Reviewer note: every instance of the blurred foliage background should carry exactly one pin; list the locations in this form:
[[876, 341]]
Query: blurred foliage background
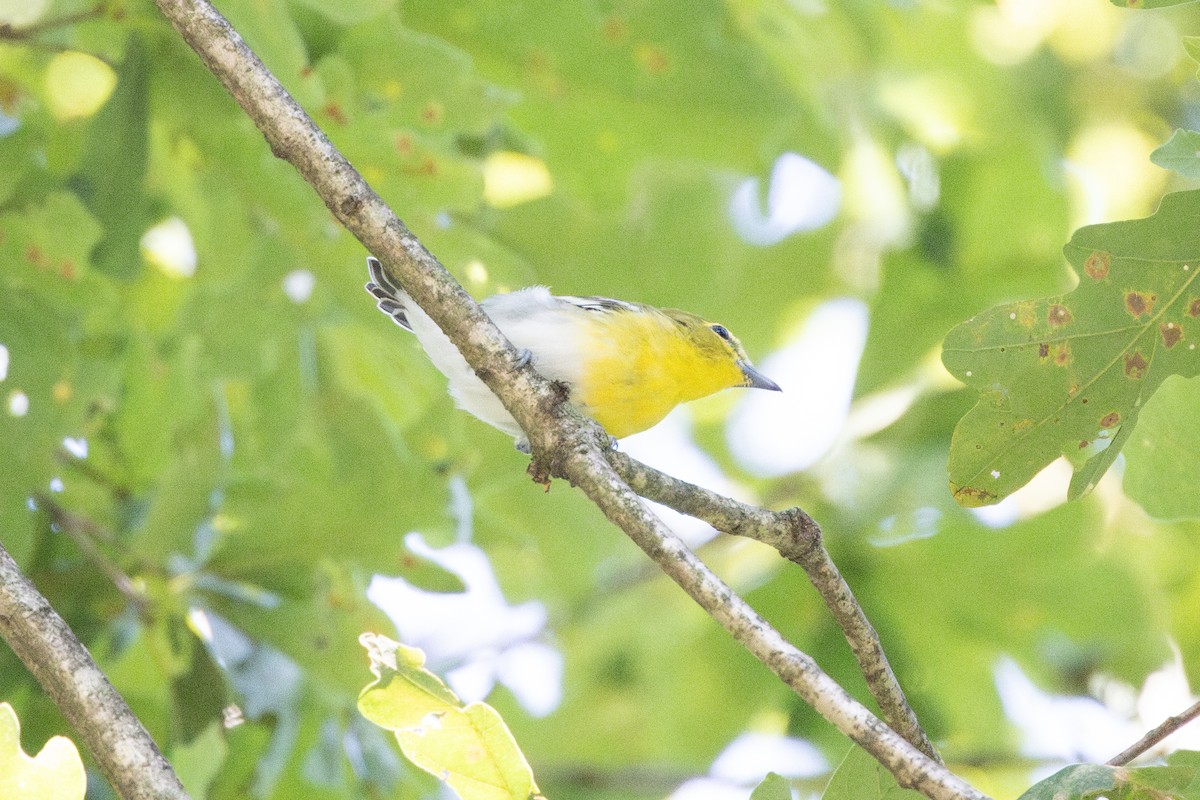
[[211, 440]]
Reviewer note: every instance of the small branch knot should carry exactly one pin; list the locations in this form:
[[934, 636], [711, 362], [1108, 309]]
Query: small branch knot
[[803, 534], [351, 205]]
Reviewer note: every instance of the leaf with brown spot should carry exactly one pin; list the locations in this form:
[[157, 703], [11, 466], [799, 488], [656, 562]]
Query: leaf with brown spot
[[1148, 3], [1097, 265], [1135, 366], [1171, 334], [1139, 303], [1026, 315], [1109, 342], [1059, 315], [1092, 781], [653, 58]]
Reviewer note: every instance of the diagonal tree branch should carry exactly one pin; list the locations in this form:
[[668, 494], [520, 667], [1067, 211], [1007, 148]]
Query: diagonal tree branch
[[564, 444], [62, 665], [797, 537]]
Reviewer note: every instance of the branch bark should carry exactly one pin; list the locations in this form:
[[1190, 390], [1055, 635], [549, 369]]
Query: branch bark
[[564, 444], [62, 665], [1153, 737], [797, 537]]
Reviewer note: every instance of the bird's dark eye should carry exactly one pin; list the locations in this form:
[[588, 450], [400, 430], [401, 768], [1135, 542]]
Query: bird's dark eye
[[723, 332]]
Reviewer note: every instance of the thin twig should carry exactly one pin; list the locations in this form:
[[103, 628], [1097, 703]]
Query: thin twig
[[90, 471], [585, 468], [798, 538], [1169, 726], [124, 750], [24, 32], [564, 444]]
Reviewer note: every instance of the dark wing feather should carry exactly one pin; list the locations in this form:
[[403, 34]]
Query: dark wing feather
[[390, 296], [601, 304]]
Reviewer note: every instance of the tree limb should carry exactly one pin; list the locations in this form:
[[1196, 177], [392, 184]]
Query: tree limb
[[64, 668], [797, 537], [564, 444]]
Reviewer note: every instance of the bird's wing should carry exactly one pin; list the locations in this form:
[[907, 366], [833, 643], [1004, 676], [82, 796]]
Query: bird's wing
[[550, 328], [535, 301], [600, 303]]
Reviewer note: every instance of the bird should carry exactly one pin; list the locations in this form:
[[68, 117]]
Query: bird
[[625, 365]]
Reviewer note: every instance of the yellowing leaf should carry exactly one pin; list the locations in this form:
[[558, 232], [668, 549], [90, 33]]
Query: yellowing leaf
[[469, 747], [77, 84], [56, 773], [1181, 153], [510, 179], [473, 751], [405, 693], [861, 777], [20, 13], [1068, 375]]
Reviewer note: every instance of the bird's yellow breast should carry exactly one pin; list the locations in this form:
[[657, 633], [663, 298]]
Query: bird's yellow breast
[[637, 367]]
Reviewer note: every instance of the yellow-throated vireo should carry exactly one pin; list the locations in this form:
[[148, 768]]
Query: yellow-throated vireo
[[626, 365]]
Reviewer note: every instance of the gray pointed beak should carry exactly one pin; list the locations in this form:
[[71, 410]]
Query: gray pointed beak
[[755, 379]]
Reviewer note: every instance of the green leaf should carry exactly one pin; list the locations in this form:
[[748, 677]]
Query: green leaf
[[269, 28], [428, 97], [349, 12], [692, 78], [1191, 45], [198, 689], [319, 493], [1180, 154], [1149, 3], [55, 773], [199, 761], [53, 236], [113, 169], [773, 787], [1094, 781], [313, 624], [405, 691], [861, 777], [1040, 593], [469, 747], [1068, 375], [1189, 759], [1163, 459], [282, 750], [57, 326]]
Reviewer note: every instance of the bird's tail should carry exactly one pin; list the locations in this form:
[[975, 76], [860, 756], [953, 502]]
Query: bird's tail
[[390, 296]]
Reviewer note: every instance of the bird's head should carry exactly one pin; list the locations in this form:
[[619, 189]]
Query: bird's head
[[720, 349]]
